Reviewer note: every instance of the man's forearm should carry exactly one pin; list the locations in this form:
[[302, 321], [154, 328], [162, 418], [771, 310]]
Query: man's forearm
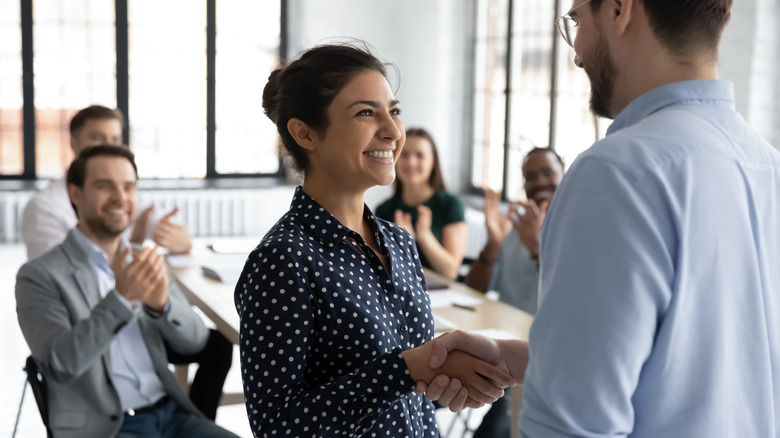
[[482, 268]]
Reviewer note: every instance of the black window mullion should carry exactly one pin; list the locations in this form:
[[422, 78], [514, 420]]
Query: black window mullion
[[508, 108], [554, 79], [28, 90], [211, 61], [122, 67]]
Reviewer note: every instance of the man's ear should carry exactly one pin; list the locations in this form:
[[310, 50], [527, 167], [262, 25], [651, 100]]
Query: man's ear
[[75, 194], [621, 13], [302, 134]]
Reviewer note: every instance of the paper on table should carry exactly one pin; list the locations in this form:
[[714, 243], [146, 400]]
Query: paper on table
[[182, 261], [441, 324], [223, 267], [495, 333], [448, 297]]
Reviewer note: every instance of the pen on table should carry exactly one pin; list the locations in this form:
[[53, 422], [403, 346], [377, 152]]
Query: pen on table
[[464, 307]]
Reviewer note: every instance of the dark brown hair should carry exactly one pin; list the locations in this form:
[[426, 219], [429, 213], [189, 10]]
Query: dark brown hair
[[305, 88], [685, 25], [94, 112], [78, 168], [435, 180], [77, 172], [546, 150]]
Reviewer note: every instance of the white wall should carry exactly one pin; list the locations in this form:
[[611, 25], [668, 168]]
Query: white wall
[[749, 57], [430, 41]]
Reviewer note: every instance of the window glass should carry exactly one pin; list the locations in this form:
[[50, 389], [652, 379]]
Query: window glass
[[529, 99], [490, 72], [247, 51], [167, 82], [75, 66], [11, 149]]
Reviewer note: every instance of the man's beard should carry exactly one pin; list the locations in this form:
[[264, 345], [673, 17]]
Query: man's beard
[[602, 73], [101, 229]]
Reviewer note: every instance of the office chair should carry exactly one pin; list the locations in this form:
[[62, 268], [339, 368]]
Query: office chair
[[38, 385]]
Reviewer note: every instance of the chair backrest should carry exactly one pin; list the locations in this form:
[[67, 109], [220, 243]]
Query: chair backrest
[[38, 385]]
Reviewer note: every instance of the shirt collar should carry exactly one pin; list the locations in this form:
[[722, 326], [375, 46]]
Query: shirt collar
[[95, 254], [319, 220], [700, 92]]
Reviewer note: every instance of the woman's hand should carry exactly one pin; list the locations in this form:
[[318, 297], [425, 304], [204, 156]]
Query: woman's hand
[[507, 354], [404, 220], [422, 228], [482, 381]]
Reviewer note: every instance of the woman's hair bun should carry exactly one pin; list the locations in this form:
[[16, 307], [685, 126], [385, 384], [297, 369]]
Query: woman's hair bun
[[271, 93]]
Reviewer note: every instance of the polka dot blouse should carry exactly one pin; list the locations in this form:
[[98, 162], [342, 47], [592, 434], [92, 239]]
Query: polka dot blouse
[[323, 324]]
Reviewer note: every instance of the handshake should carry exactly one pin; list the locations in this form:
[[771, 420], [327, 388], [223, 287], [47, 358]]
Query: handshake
[[465, 370]]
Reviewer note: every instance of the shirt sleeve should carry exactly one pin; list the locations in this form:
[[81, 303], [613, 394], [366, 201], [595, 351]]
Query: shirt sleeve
[[605, 283], [277, 332], [453, 210], [43, 226]]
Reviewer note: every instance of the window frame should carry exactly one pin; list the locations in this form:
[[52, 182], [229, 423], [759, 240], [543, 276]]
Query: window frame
[[122, 87], [555, 67]]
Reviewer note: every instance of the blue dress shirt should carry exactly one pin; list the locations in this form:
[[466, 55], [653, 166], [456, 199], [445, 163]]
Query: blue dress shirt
[[660, 279], [132, 369], [323, 324]]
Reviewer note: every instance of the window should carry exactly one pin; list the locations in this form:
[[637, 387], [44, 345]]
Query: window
[[75, 65], [247, 51], [167, 87], [192, 97], [11, 140], [527, 92]]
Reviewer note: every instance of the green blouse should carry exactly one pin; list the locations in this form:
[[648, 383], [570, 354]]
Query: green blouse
[[446, 209]]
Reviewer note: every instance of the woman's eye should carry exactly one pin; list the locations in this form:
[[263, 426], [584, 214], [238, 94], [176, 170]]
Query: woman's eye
[[365, 112], [395, 111]]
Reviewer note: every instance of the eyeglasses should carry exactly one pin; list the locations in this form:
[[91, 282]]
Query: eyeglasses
[[568, 25]]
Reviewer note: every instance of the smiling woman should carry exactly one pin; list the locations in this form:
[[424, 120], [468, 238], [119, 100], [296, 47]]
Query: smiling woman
[[422, 206], [333, 303]]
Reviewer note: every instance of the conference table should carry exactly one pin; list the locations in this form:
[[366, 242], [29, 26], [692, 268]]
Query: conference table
[[455, 305]]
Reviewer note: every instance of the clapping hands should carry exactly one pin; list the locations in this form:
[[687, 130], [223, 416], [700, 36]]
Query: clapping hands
[[529, 224], [144, 279], [167, 233], [421, 229]]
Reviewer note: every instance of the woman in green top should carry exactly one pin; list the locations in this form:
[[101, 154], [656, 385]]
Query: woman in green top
[[422, 205]]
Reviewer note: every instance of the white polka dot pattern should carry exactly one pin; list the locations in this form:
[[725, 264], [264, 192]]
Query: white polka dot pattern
[[323, 324]]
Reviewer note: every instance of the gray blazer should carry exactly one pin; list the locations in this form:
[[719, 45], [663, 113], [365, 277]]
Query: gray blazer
[[69, 329]]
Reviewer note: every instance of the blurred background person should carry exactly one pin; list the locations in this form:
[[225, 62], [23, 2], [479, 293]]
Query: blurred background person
[[421, 205]]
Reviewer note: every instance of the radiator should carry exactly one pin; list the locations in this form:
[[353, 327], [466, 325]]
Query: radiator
[[205, 212], [11, 208], [222, 212]]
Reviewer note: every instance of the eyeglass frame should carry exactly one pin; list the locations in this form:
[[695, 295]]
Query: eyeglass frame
[[563, 23]]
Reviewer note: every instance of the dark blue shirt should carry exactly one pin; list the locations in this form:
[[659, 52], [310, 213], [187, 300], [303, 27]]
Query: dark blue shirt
[[323, 324]]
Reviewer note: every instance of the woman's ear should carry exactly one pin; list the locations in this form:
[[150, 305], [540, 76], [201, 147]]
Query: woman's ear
[[302, 134]]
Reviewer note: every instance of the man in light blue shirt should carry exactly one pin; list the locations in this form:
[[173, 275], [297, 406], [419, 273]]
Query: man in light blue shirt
[[659, 281], [97, 318]]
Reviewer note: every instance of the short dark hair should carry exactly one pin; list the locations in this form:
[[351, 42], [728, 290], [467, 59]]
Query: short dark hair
[[547, 150], [94, 112], [685, 25], [304, 88], [77, 172], [435, 180]]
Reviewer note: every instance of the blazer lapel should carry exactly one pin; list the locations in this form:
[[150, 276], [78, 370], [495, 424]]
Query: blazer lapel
[[83, 273]]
